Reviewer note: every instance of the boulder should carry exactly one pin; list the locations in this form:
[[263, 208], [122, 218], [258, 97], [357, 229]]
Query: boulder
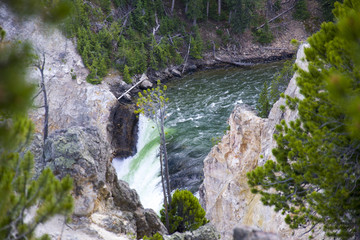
[[175, 72], [248, 233], [145, 83], [167, 73], [192, 67]]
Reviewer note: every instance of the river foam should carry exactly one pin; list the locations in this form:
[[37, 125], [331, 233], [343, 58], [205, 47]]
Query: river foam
[[142, 170]]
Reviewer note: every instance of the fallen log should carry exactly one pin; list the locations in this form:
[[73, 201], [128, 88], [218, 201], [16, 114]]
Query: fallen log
[[239, 64]]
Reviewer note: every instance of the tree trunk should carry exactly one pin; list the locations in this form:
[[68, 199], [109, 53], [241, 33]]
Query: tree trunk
[[219, 7], [172, 6], [186, 7], [207, 8], [166, 162], [268, 8], [167, 224]]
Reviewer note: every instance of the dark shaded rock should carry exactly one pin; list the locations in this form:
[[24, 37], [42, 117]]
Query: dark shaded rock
[[123, 128], [248, 233], [175, 72], [167, 73], [154, 221], [125, 198], [145, 83]]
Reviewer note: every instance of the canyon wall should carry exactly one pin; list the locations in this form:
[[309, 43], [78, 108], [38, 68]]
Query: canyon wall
[[81, 137], [225, 193]]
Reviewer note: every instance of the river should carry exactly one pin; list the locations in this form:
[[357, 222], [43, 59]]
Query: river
[[198, 109]]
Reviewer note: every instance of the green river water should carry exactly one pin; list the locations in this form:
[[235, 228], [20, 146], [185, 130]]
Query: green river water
[[198, 108]]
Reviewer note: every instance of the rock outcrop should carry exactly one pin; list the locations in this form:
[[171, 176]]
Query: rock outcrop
[[83, 120], [248, 233], [206, 232], [225, 193]]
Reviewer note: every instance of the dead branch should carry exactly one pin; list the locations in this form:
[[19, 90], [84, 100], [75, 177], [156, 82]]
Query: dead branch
[[276, 17], [187, 56]]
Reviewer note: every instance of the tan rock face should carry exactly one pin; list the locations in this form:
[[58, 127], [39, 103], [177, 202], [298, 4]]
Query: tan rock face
[[225, 193]]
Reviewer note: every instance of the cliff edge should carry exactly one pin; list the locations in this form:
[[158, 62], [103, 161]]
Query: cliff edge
[[225, 193]]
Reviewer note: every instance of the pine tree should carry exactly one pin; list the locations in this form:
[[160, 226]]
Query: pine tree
[[195, 10], [315, 178], [196, 45], [186, 213], [126, 75], [263, 105]]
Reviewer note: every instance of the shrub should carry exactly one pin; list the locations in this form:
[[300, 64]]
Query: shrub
[[126, 75], [263, 35], [186, 214], [156, 236]]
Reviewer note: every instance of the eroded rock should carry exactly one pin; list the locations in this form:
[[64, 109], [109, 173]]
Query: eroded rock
[[225, 193], [206, 232], [248, 233]]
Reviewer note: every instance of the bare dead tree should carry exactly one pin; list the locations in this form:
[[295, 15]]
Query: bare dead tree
[[276, 17], [40, 65]]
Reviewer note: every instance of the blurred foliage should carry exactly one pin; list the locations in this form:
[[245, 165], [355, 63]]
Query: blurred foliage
[[19, 189]]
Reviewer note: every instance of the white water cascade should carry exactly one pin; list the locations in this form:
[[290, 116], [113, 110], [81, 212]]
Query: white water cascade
[[142, 170]]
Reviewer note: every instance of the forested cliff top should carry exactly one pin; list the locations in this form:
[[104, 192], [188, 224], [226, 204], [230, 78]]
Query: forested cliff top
[[139, 36]]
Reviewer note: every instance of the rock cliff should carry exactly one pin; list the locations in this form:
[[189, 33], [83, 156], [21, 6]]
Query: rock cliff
[[83, 120], [225, 193]]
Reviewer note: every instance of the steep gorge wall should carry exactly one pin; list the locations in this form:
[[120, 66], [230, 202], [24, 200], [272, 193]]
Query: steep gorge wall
[[81, 140], [225, 193]]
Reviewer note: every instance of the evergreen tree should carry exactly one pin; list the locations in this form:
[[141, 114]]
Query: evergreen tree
[[315, 179], [126, 75], [196, 44], [263, 105], [301, 13], [186, 214], [281, 81], [195, 10]]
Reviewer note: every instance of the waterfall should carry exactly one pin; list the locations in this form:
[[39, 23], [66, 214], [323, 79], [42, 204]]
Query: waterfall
[[142, 171]]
